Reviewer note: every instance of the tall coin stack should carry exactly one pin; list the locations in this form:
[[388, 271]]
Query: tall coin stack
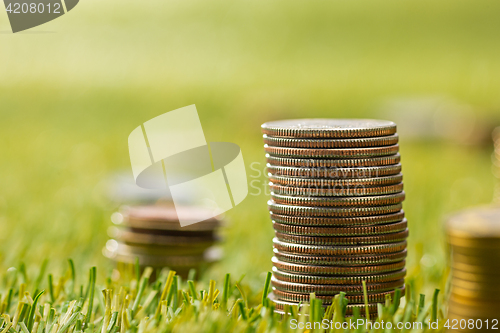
[[474, 236], [153, 235], [496, 163], [336, 207]]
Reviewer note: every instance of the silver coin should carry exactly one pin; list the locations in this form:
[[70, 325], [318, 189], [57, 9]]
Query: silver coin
[[332, 152], [338, 222], [335, 192], [331, 143], [345, 250], [335, 173], [333, 163], [332, 212], [335, 183], [377, 200], [329, 128]]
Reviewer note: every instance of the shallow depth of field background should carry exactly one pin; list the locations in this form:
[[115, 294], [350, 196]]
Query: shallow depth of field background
[[72, 90]]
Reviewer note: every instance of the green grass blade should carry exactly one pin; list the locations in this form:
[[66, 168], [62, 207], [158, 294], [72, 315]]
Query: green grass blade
[[92, 282], [225, 291], [267, 285], [421, 304], [51, 289], [72, 277], [396, 301], [31, 315], [242, 310], [41, 274], [112, 322], [434, 305], [142, 287], [365, 297], [192, 289]]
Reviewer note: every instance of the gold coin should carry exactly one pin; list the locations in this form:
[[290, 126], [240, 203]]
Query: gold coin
[[473, 251], [480, 259], [475, 225], [463, 268], [482, 279], [473, 286], [479, 244], [475, 311], [474, 291], [472, 301]]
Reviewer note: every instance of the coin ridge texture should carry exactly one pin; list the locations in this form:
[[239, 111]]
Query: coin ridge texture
[[345, 260], [357, 240], [341, 250], [331, 143], [332, 289], [328, 299], [376, 200], [319, 279], [332, 211], [334, 270], [338, 221], [335, 182], [280, 304], [339, 231], [332, 152], [328, 163], [329, 128], [339, 192], [336, 208], [335, 173]]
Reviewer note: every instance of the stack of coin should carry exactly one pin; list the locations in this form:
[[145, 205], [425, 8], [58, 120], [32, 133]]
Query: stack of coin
[[474, 237], [154, 236], [496, 163], [336, 207]]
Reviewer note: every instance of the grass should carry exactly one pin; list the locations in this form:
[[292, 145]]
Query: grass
[[128, 302], [69, 100]]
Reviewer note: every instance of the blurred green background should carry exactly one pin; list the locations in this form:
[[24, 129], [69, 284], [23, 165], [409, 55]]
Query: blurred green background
[[73, 89]]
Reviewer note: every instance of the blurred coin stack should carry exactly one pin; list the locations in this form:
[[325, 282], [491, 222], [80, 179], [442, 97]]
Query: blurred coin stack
[[336, 207], [496, 163], [474, 237], [153, 235]]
